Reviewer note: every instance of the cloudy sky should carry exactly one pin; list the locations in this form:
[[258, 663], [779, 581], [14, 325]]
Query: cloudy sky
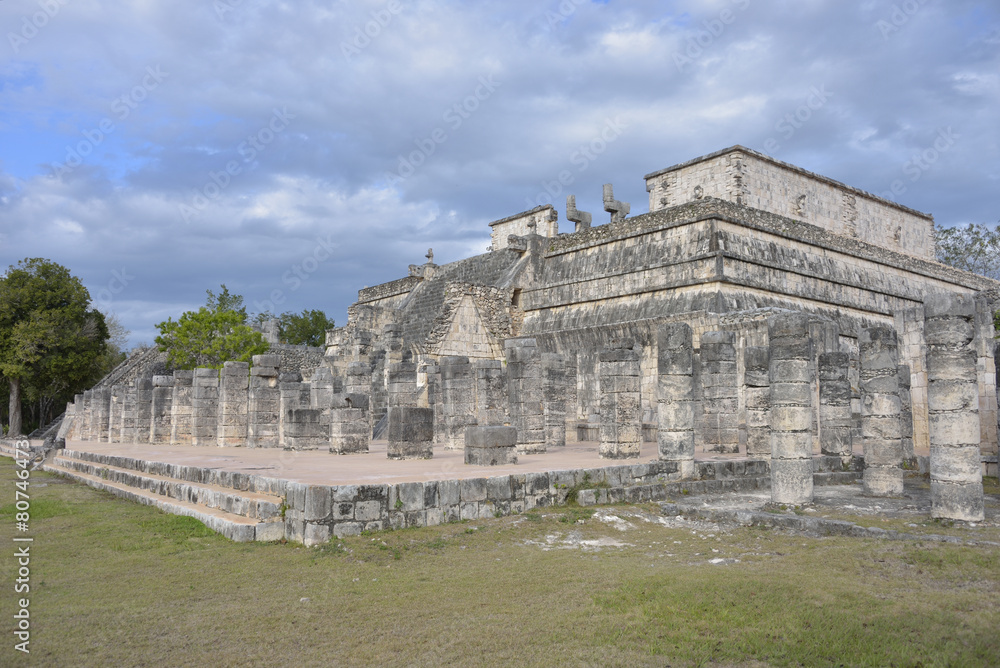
[[298, 151]]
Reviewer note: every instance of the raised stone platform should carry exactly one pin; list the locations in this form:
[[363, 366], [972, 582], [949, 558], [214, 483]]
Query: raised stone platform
[[306, 496]]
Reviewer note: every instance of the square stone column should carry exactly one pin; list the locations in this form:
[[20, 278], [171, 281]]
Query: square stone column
[[411, 432], [675, 396], [301, 426], [458, 391], [554, 392], [791, 373], [115, 406], [526, 394], [86, 418], [986, 368], [953, 407], [835, 427], [350, 424], [263, 402], [143, 409], [181, 407], [720, 394], [491, 393], [906, 413], [756, 362], [880, 410], [621, 411], [130, 414], [160, 418], [205, 407], [234, 402]]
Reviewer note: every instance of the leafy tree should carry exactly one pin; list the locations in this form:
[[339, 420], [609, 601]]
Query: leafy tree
[[214, 334], [51, 341], [306, 328], [974, 248]]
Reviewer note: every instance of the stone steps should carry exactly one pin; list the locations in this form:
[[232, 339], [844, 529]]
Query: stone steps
[[240, 515]]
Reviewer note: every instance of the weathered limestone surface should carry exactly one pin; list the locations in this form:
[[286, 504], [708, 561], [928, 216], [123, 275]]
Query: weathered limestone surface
[[102, 412], [953, 406], [301, 427], [526, 394], [880, 413], [88, 417], [143, 409], [905, 412], [130, 414], [756, 361], [182, 407], [720, 396], [986, 368], [458, 391], [234, 401], [621, 413], [263, 403], [205, 407], [791, 374], [675, 396], [160, 418], [491, 393], [350, 424], [835, 429], [554, 388], [411, 432], [490, 445]]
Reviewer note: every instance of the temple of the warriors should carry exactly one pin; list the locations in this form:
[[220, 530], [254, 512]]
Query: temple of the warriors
[[760, 322]]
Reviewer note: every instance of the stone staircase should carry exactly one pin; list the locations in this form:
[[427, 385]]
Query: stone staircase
[[241, 507]]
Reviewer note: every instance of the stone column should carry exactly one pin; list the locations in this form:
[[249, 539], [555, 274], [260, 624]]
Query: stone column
[[905, 412], [953, 407], [301, 427], [86, 416], [143, 409], [720, 396], [234, 401], [263, 402], [621, 412], [350, 424], [402, 384], [880, 410], [458, 390], [675, 396], [163, 391], [181, 407], [554, 398], [79, 417], [572, 398], [411, 432], [359, 381], [986, 367], [835, 428], [130, 413], [102, 413], [791, 374], [491, 393], [115, 413], [524, 388], [205, 407], [756, 362]]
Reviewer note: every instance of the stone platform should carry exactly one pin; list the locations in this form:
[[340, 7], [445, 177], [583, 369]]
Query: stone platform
[[301, 496]]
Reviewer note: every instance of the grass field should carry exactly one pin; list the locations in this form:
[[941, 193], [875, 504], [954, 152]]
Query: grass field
[[114, 583]]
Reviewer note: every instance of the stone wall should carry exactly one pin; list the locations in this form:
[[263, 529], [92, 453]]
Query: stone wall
[[542, 220]]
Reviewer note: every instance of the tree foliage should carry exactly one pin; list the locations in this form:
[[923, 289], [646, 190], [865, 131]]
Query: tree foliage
[[974, 248], [52, 344], [306, 328], [216, 333]]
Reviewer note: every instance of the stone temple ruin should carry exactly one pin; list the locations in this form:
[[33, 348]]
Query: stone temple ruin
[[759, 311]]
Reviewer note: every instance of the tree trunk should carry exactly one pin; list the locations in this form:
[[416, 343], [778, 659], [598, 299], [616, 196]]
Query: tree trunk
[[15, 408]]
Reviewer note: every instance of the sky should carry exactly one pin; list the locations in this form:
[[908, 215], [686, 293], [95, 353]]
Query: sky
[[300, 151]]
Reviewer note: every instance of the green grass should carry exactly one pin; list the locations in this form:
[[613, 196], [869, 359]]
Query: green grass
[[115, 583]]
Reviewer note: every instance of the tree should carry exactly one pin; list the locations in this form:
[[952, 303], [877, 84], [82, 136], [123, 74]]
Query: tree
[[307, 328], [214, 334], [974, 248], [51, 340]]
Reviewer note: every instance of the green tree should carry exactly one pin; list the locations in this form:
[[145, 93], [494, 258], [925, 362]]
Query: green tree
[[306, 328], [51, 341], [214, 334], [974, 248]]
